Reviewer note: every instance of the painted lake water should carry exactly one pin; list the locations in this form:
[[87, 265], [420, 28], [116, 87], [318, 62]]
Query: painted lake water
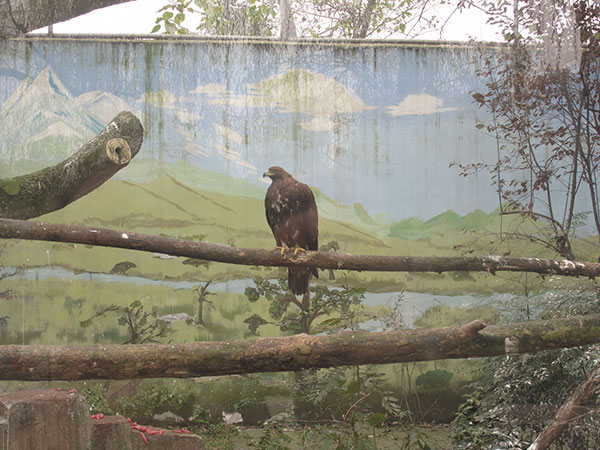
[[410, 305]]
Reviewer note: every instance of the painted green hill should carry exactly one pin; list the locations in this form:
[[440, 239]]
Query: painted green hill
[[144, 170], [166, 206], [191, 207], [449, 221]]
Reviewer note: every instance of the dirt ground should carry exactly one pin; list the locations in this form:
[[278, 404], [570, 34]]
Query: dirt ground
[[437, 437]]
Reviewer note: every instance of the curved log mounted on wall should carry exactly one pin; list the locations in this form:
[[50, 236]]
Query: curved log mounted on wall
[[54, 187]]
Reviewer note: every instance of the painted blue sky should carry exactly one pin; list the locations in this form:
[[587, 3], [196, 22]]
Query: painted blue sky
[[376, 125]]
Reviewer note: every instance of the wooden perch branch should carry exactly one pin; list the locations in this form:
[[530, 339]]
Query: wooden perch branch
[[48, 362], [55, 187], [583, 393], [19, 229]]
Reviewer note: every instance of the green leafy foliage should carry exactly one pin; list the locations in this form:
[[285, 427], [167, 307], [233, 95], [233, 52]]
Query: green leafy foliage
[[95, 398], [518, 395], [148, 402], [358, 19], [274, 438], [172, 17], [314, 18], [342, 307], [246, 18]]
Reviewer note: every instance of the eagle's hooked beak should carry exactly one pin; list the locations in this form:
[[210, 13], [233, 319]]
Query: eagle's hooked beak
[[267, 173]]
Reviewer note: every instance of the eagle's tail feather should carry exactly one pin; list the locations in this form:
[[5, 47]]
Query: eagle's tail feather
[[298, 279]]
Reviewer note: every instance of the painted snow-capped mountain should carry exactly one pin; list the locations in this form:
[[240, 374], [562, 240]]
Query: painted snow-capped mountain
[[42, 121], [103, 106]]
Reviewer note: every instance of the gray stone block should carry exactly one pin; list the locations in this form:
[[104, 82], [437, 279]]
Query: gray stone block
[[44, 420], [112, 433]]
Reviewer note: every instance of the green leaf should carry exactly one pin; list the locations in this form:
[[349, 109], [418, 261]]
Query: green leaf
[[155, 29], [252, 294], [331, 322], [377, 419]]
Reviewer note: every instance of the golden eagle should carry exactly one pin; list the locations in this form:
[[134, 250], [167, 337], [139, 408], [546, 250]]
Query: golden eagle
[[292, 215]]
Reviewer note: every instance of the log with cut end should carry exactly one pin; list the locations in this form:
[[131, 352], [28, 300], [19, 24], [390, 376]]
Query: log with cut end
[[291, 353], [54, 187]]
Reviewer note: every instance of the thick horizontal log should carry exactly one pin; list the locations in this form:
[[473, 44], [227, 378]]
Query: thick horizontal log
[[47, 362], [20, 229], [54, 187]]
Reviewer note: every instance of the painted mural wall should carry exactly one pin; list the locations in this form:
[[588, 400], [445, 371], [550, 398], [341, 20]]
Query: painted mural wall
[[371, 128]]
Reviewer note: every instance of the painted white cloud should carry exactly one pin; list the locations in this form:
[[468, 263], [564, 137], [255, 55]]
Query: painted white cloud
[[418, 105], [319, 123], [184, 116], [211, 89], [229, 134], [264, 180], [162, 98], [235, 157], [196, 149]]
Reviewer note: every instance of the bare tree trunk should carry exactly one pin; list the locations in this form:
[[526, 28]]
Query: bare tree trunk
[[17, 17], [21, 229], [55, 187], [286, 20], [584, 392], [365, 21], [292, 353]]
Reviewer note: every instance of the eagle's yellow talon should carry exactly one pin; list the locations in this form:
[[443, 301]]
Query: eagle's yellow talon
[[298, 249], [281, 249]]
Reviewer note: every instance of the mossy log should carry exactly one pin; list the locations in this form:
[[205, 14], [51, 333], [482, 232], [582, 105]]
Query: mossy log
[[292, 353], [54, 187], [19, 229]]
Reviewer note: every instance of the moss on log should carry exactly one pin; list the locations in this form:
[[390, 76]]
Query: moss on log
[[54, 187], [46, 362]]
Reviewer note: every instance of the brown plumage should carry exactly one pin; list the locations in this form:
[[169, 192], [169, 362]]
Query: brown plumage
[[293, 218]]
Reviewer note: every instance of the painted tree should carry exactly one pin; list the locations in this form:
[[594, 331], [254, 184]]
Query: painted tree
[[202, 294]]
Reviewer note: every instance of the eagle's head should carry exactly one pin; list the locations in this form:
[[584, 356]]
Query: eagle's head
[[275, 173]]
